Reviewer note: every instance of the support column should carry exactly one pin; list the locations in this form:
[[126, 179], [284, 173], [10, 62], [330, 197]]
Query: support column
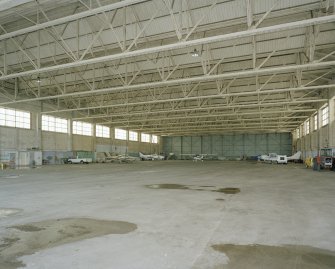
[[331, 106], [319, 130], [70, 136], [94, 137], [38, 129], [111, 139], [311, 128]]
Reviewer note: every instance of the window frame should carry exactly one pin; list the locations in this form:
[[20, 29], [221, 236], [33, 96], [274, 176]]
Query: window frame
[[315, 122], [131, 136], [120, 134], [302, 129], [58, 125], [325, 116], [154, 139], [80, 128], [143, 138], [307, 127], [15, 118], [102, 131]]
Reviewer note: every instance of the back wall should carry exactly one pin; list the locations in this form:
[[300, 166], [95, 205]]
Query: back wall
[[229, 146]]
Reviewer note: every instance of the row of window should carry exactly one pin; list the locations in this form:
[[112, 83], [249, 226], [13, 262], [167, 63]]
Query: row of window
[[133, 136], [14, 118], [305, 128], [21, 119]]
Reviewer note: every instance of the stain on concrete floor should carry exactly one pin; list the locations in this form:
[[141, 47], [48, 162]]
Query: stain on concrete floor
[[228, 190], [29, 238], [28, 228], [276, 257], [194, 188], [168, 186], [7, 242]]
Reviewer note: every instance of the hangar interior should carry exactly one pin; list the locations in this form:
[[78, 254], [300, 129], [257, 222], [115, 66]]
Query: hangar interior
[[229, 80]]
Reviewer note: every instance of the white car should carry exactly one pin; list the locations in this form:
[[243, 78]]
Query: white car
[[79, 160]]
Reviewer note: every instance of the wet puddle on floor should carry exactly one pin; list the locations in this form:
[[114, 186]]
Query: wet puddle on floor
[[276, 257], [194, 188], [29, 238], [9, 176], [5, 212]]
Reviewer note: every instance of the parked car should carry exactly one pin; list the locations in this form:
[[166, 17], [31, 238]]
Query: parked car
[[79, 160]]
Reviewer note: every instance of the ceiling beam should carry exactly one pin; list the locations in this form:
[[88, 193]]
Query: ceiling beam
[[167, 121], [235, 106], [211, 115], [178, 45], [70, 18], [207, 124], [219, 95], [245, 73], [229, 129]]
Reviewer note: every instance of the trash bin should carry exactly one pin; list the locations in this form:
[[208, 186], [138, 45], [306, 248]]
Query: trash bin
[[315, 164]]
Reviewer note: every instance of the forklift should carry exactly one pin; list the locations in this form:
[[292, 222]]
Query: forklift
[[327, 157]]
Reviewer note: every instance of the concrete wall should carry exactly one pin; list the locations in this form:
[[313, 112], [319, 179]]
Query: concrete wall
[[54, 141], [55, 146], [83, 143], [229, 146], [323, 137], [15, 138]]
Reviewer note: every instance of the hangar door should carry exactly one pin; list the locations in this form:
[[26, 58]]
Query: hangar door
[[229, 146]]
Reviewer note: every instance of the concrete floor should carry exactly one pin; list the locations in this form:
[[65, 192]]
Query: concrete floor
[[279, 208]]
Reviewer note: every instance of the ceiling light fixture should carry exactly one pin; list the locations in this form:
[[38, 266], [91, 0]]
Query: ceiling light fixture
[[195, 53], [38, 80]]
